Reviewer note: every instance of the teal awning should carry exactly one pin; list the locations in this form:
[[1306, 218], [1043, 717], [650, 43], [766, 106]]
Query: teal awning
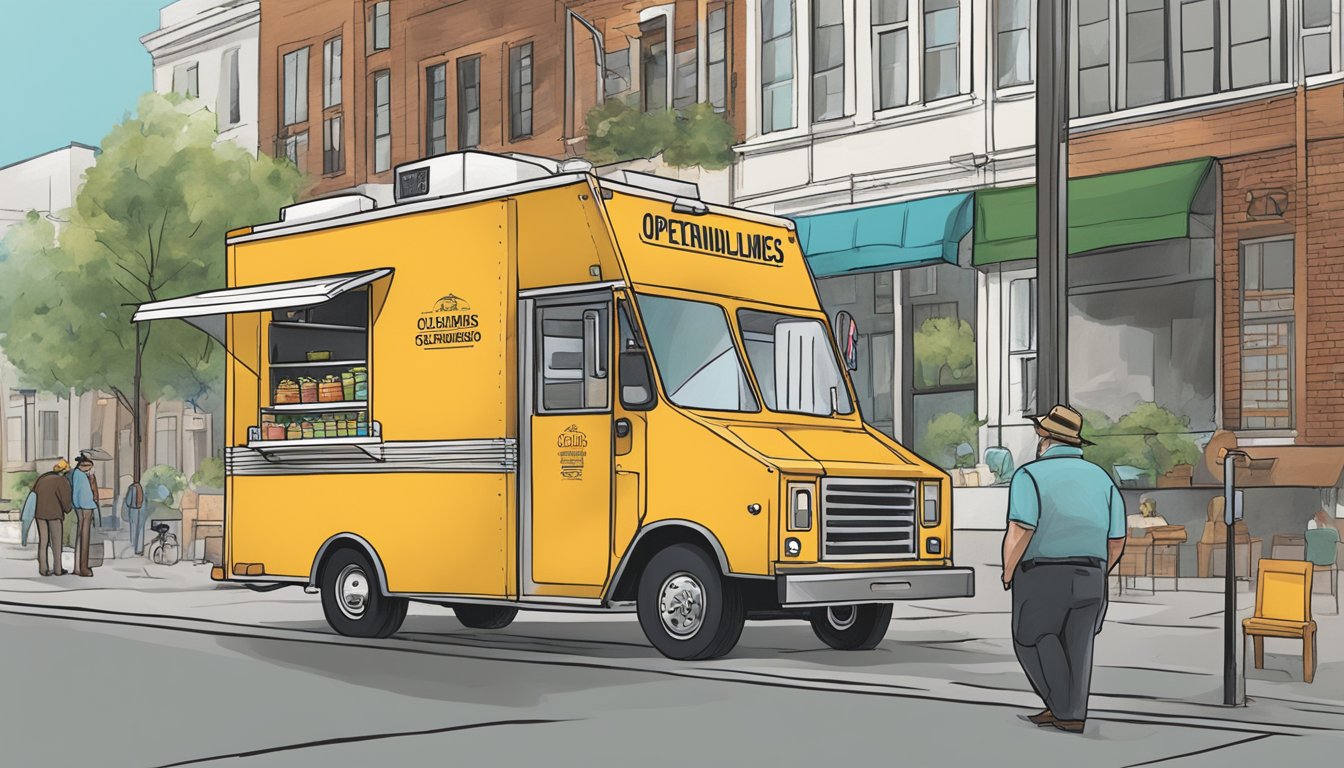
[[1104, 211], [882, 237]]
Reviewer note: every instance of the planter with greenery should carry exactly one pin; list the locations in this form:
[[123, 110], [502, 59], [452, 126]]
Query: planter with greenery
[[944, 437], [209, 477], [1149, 438]]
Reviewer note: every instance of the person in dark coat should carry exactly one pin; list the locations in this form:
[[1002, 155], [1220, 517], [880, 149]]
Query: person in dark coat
[[54, 501]]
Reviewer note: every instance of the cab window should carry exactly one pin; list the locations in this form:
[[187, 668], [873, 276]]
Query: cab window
[[695, 355]]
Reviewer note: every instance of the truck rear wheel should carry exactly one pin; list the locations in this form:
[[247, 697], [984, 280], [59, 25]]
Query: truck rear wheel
[[353, 600], [484, 616], [687, 608], [852, 627]]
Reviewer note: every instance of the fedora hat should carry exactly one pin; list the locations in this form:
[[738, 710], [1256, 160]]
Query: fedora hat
[[1064, 424]]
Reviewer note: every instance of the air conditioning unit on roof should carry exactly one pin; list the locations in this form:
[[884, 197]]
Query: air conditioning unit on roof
[[662, 184], [459, 172]]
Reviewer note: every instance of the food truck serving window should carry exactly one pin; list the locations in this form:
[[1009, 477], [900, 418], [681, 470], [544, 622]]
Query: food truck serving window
[[695, 356], [319, 374]]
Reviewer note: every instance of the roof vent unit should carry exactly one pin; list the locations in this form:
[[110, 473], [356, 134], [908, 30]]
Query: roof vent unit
[[459, 172], [662, 184], [326, 208]]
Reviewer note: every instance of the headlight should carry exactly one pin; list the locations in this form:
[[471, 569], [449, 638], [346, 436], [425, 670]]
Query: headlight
[[800, 508], [931, 514]]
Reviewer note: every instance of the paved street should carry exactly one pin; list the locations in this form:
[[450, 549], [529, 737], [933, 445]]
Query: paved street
[[170, 667]]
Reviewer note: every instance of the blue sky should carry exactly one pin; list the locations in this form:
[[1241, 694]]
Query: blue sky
[[69, 70]]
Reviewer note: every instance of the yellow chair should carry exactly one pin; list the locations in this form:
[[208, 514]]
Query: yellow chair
[[1283, 609]]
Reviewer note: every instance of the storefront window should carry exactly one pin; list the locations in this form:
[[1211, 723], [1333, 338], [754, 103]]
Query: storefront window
[[319, 373], [942, 376], [1267, 333]]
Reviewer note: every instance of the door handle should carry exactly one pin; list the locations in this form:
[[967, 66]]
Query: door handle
[[622, 427]]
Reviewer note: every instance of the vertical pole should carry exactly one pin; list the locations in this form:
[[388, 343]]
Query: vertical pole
[[1229, 585], [1052, 173]]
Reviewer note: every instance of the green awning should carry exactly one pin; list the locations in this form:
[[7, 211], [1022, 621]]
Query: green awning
[[1104, 211], [884, 237]]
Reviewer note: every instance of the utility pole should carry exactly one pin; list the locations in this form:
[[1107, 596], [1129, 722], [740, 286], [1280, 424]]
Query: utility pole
[[1052, 230], [1231, 513]]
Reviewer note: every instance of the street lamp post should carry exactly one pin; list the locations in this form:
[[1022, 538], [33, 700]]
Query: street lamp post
[[1052, 232], [1231, 513]]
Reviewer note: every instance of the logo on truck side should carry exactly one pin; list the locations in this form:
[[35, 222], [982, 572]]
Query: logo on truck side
[[450, 324], [710, 240], [572, 445]]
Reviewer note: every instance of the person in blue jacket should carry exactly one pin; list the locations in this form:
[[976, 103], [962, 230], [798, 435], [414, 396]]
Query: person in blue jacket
[[85, 500]]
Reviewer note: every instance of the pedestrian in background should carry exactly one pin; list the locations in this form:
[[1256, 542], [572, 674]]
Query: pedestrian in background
[[85, 501], [133, 511], [54, 500], [1066, 531]]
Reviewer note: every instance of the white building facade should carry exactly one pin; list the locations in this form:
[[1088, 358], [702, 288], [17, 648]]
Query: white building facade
[[207, 50], [900, 133]]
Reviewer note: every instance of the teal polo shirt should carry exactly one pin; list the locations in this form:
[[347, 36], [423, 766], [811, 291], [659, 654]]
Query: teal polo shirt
[[1071, 503]]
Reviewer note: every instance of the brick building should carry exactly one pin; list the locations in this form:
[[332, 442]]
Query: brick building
[[351, 88]]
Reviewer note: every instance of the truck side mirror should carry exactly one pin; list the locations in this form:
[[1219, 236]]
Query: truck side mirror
[[847, 339], [636, 382]]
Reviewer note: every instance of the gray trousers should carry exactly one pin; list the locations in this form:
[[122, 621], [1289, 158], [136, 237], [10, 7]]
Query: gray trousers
[[1057, 612], [50, 536]]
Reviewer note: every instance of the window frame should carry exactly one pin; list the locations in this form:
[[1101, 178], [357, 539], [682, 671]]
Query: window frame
[[1274, 317], [333, 144], [788, 85], [468, 117], [48, 418], [814, 30], [159, 442], [518, 54], [653, 32], [382, 112], [877, 30], [333, 55], [1329, 31], [719, 8], [380, 24], [1000, 32], [926, 50], [1075, 58], [605, 305], [294, 101], [436, 122], [1024, 358], [231, 110]]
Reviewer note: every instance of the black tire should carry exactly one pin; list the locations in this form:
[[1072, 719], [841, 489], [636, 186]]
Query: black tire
[[715, 624], [374, 614], [484, 616], [852, 627]]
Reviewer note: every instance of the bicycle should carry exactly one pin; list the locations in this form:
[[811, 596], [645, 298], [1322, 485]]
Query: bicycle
[[163, 548]]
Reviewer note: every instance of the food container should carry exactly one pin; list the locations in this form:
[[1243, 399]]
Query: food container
[[308, 390], [319, 356], [362, 428], [348, 385], [361, 375], [273, 432], [308, 430], [293, 431], [329, 390], [287, 393]]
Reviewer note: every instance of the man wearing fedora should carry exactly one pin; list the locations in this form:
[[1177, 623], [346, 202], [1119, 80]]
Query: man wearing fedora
[[1066, 531]]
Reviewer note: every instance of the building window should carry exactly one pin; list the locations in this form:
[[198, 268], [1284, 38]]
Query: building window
[[186, 80], [380, 26], [468, 102], [716, 59], [617, 72], [1012, 43], [942, 57], [922, 281], [828, 59], [382, 121], [295, 87], [776, 65], [165, 441], [436, 110], [1251, 49], [231, 108], [331, 73], [520, 92], [891, 53], [1092, 81], [1267, 334], [1199, 50], [333, 146], [48, 434], [1146, 52], [653, 64], [295, 148], [1022, 343], [1316, 45]]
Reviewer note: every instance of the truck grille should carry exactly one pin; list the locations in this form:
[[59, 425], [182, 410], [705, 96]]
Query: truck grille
[[868, 519]]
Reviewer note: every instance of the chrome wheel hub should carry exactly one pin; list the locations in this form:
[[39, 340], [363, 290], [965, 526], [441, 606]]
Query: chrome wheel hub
[[842, 616], [681, 605], [352, 591]]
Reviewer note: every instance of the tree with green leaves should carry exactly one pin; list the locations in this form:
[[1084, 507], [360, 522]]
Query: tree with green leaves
[[692, 136], [148, 224], [944, 351]]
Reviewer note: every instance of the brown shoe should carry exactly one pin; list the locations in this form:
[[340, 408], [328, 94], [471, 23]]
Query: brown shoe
[[85, 574], [1070, 726], [44, 573], [1042, 718]]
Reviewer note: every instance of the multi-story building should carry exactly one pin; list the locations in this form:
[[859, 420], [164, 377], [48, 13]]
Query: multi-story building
[[207, 50], [1206, 138], [352, 88]]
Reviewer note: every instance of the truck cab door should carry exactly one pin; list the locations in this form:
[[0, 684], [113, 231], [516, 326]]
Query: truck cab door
[[567, 444]]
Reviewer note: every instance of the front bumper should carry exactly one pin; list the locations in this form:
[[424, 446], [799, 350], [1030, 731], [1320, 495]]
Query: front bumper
[[798, 590]]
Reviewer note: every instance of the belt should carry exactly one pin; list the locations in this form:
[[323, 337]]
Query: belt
[[1088, 562]]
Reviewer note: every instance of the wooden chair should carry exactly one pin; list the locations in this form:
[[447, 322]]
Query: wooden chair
[[1283, 609]]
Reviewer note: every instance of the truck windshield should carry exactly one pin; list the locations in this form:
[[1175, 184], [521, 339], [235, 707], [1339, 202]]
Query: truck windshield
[[794, 363], [694, 352]]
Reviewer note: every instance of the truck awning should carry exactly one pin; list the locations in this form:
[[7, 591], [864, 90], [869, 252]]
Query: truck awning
[[207, 310], [1105, 211], [882, 237]]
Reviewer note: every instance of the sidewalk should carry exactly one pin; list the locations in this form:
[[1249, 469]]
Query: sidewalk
[[1159, 655]]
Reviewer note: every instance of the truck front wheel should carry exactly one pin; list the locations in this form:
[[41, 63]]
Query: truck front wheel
[[687, 608], [852, 627], [353, 601]]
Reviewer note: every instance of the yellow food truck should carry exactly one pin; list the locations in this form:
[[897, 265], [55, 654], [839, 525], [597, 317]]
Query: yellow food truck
[[527, 386]]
